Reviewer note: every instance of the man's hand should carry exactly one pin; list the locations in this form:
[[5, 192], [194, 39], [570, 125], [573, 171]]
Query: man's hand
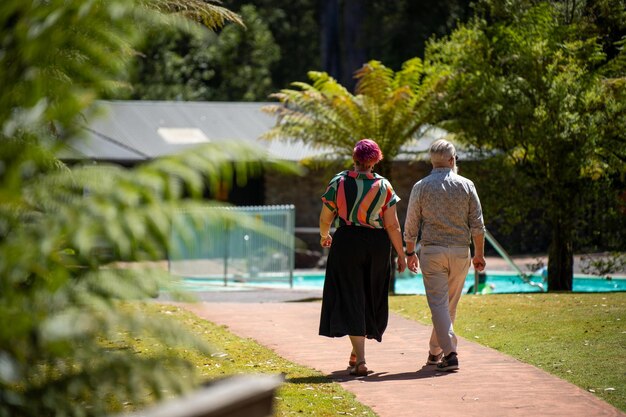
[[413, 263], [479, 263]]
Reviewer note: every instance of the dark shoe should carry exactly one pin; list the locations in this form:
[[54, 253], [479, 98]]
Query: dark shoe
[[450, 362], [359, 369], [434, 359]]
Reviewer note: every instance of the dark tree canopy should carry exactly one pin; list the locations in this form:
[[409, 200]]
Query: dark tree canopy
[[232, 65], [334, 36]]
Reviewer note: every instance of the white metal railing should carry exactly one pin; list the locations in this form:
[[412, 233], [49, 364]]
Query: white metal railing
[[496, 245]]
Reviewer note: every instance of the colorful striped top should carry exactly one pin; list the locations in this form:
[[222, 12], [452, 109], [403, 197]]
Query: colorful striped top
[[359, 199]]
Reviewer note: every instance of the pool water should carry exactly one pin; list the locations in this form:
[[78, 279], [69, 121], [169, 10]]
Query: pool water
[[497, 282]]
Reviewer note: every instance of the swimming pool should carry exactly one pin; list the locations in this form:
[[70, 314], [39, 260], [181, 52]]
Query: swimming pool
[[496, 282]]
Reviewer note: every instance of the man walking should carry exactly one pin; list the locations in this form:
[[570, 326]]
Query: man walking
[[445, 208]]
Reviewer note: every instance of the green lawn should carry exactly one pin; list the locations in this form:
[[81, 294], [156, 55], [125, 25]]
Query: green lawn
[[578, 337], [305, 392]]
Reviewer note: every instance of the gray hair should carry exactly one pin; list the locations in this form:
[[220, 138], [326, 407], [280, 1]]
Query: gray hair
[[441, 151]]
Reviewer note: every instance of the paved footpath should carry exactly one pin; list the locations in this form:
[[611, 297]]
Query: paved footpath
[[488, 383]]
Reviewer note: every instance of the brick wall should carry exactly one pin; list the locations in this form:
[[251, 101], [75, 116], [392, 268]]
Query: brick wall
[[529, 236]]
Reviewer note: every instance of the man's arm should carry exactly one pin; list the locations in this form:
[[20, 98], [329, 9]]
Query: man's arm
[[479, 252], [477, 229]]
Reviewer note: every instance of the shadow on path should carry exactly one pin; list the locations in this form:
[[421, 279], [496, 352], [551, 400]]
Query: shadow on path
[[309, 380], [427, 371]]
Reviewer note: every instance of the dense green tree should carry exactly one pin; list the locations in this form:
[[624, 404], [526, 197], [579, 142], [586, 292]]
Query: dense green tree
[[334, 36], [355, 31], [63, 339], [295, 27], [173, 64], [522, 83], [400, 30], [339, 36], [232, 65], [603, 19]]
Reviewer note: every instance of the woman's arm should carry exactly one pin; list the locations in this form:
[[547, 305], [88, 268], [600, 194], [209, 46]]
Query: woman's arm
[[392, 227], [326, 219]]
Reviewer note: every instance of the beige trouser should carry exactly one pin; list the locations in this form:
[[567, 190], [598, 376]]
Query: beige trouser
[[444, 270]]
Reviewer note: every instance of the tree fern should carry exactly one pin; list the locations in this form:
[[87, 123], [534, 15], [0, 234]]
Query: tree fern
[[387, 106], [374, 80]]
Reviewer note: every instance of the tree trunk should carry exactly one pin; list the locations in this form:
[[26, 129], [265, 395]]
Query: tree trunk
[[561, 257], [331, 49], [355, 51]]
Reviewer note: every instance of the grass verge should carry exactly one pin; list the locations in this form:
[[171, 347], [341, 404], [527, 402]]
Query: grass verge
[[305, 391], [578, 337]]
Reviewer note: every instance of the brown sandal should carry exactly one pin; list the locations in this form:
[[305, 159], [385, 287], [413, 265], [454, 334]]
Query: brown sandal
[[359, 369]]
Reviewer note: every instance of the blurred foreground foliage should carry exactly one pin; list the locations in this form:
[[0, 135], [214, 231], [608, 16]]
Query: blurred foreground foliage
[[64, 230], [62, 235]]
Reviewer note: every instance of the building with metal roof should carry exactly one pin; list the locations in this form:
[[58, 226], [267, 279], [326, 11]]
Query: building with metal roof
[[132, 132], [128, 132]]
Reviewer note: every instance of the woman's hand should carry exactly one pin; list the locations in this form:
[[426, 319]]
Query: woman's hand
[[401, 263], [326, 219], [326, 241]]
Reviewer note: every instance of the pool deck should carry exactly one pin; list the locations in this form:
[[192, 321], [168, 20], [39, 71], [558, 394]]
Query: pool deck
[[488, 383]]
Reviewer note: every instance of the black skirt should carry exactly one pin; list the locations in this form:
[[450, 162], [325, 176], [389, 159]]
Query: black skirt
[[358, 271]]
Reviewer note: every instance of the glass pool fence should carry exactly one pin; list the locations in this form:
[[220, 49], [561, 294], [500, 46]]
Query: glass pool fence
[[234, 244]]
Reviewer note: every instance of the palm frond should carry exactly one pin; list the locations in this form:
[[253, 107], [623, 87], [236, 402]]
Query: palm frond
[[410, 75], [374, 80], [208, 13], [303, 111], [388, 107], [326, 84]]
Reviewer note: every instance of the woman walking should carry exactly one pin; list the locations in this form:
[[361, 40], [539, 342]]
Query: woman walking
[[358, 270]]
